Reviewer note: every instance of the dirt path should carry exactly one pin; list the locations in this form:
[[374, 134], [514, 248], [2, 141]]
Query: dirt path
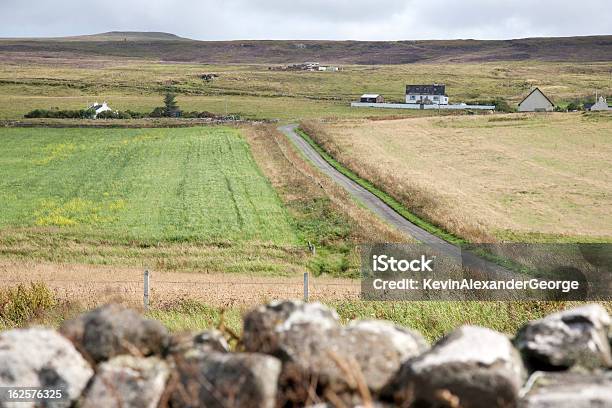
[[93, 285], [385, 212]]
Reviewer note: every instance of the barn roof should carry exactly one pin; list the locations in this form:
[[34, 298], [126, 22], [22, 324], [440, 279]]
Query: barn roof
[[370, 95], [543, 94]]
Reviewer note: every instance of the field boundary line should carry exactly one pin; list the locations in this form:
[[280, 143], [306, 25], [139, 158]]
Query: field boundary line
[[381, 194]]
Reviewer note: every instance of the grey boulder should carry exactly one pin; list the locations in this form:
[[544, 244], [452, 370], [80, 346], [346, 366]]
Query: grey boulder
[[573, 337], [344, 361], [408, 343], [219, 380], [38, 357], [264, 326], [568, 390], [127, 381], [113, 330], [472, 367]]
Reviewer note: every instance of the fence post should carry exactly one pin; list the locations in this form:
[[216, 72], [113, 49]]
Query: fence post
[[146, 290], [306, 287]]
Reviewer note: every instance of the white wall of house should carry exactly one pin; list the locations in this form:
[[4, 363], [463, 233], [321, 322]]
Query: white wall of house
[[103, 107], [601, 105], [435, 99], [536, 102]]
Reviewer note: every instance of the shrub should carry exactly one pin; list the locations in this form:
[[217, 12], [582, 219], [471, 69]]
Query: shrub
[[22, 303], [114, 115], [574, 106], [502, 105], [61, 114], [158, 112], [196, 114], [37, 113], [107, 115], [135, 115]]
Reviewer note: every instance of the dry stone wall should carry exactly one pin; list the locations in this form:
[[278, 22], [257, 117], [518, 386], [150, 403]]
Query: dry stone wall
[[294, 354]]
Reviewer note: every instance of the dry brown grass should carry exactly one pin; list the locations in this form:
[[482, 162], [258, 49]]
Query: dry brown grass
[[525, 177], [94, 285]]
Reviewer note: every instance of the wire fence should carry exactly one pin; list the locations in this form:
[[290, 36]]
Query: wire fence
[[153, 289]]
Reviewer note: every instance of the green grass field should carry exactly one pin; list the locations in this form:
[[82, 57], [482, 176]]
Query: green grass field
[[175, 199], [196, 184]]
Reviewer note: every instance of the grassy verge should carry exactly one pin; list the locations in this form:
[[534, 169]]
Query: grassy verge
[[432, 319], [386, 198], [322, 213], [24, 305], [36, 304]]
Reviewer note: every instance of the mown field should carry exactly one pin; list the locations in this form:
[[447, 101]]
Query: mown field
[[488, 178], [254, 91], [113, 194]]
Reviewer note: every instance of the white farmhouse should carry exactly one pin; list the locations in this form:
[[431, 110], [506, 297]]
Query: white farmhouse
[[600, 105], [426, 94], [99, 108], [536, 101]]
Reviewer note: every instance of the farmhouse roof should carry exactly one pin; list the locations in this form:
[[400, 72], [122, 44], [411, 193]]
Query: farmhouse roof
[[370, 95], [434, 89], [543, 94]]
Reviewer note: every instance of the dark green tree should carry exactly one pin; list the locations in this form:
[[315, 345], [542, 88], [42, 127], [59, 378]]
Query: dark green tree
[[171, 108]]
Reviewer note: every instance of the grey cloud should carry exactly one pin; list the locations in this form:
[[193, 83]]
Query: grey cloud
[[325, 10], [310, 19]]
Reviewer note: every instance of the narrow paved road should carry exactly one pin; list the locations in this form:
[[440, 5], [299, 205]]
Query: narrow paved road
[[388, 214]]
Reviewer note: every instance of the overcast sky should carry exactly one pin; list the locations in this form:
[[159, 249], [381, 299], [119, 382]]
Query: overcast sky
[[310, 19]]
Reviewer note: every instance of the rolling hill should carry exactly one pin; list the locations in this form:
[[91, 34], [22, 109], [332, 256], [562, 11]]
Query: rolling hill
[[125, 36], [169, 47]]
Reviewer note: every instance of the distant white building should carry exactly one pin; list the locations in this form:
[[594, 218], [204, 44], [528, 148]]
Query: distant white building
[[426, 94], [99, 108], [600, 105], [371, 98], [536, 101], [328, 68], [311, 66]]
